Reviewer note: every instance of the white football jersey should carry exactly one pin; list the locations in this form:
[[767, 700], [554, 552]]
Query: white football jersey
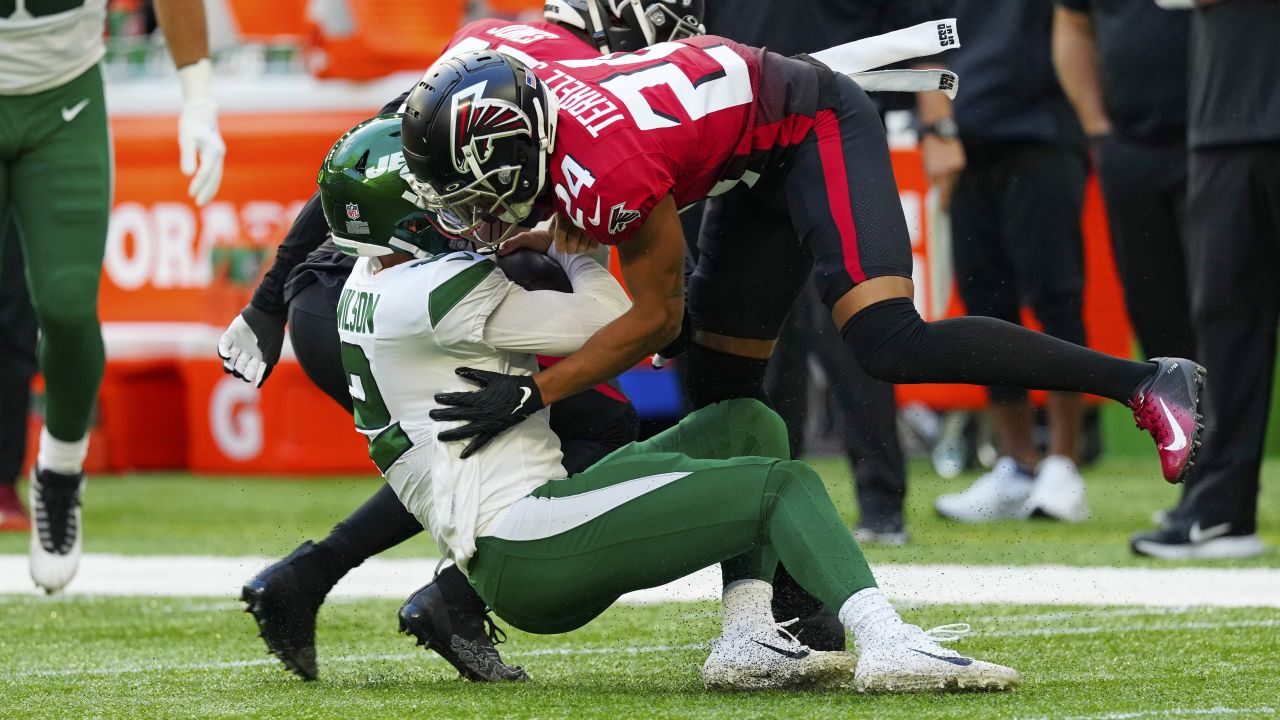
[[47, 43], [404, 330]]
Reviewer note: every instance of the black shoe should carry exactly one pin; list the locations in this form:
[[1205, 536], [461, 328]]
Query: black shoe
[[881, 531], [817, 626], [461, 632], [1189, 539], [284, 599]]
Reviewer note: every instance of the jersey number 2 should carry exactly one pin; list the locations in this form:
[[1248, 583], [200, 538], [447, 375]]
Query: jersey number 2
[[372, 415]]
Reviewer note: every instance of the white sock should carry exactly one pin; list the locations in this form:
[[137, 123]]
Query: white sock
[[66, 458], [868, 615], [747, 605]]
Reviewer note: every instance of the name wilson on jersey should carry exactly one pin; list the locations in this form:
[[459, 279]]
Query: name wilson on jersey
[[355, 311]]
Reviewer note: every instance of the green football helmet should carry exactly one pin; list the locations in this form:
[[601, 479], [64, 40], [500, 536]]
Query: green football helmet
[[367, 200]]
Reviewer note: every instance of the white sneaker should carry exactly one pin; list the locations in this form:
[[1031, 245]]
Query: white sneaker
[[770, 658], [911, 660], [1058, 491], [55, 528], [997, 495]]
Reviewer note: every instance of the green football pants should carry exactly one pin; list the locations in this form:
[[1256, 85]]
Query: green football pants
[[716, 488], [55, 179]]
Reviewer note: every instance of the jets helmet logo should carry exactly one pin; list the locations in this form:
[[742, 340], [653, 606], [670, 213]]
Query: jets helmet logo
[[479, 121]]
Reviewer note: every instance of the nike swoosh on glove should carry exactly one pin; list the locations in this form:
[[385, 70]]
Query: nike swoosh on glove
[[501, 402], [250, 347]]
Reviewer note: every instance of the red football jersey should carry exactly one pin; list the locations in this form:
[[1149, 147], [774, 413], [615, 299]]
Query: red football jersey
[[690, 118], [532, 43]]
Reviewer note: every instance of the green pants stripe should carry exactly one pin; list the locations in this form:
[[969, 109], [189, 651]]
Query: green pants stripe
[[658, 510], [55, 181]]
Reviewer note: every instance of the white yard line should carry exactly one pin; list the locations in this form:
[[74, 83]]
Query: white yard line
[[206, 576], [1171, 712]]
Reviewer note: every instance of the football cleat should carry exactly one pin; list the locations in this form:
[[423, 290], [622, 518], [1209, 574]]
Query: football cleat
[[1168, 407], [55, 534], [13, 517], [888, 532], [1000, 494], [770, 658], [1058, 492], [909, 659], [284, 600], [1190, 539], [462, 634]]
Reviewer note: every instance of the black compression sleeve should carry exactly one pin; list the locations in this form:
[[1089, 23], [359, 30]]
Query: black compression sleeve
[[308, 232], [893, 343]]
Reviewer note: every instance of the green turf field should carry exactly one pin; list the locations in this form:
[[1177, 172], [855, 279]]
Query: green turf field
[[199, 658], [178, 514], [70, 657]]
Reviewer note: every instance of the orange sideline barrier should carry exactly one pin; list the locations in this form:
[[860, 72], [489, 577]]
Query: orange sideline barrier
[[184, 272]]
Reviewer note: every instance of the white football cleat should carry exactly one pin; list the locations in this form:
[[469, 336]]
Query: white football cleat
[[770, 658], [55, 528], [1058, 491], [997, 495], [909, 659]]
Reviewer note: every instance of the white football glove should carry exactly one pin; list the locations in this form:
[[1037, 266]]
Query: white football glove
[[251, 346], [198, 136]]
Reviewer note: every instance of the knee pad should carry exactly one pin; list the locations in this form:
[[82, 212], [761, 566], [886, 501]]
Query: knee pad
[[713, 376]]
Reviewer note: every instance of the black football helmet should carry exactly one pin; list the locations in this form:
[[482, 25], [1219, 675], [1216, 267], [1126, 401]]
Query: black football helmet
[[477, 131], [629, 25]]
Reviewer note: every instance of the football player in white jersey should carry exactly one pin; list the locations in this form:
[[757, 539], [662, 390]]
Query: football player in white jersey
[[55, 182], [548, 552]]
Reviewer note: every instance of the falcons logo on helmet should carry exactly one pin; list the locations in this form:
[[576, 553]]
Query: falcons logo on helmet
[[478, 121]]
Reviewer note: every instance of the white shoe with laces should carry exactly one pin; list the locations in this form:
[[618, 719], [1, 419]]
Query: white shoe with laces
[[767, 657], [997, 495], [1058, 491], [908, 659]]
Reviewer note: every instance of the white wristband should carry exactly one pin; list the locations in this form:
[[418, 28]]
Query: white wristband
[[196, 79], [1177, 4]]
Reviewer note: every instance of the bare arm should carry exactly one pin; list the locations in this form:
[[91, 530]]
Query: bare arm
[[653, 267], [185, 30], [943, 157], [1075, 57]]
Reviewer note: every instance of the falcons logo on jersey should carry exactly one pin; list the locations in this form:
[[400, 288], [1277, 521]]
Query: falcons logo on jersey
[[620, 217], [478, 121]]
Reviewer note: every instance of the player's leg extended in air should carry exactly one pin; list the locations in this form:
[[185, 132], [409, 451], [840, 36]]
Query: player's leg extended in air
[[716, 488]]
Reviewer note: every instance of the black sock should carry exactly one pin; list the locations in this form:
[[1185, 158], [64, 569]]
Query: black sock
[[380, 523], [894, 344]]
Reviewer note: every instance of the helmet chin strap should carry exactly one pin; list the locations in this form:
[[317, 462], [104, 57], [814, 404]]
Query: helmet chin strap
[[597, 27]]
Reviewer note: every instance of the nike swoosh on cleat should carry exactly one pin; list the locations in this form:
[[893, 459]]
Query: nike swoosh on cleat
[[69, 114], [961, 661], [527, 394], [793, 654], [1198, 536], [1179, 437]]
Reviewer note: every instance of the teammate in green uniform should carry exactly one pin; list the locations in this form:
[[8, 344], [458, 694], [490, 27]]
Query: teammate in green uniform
[[55, 181], [549, 554]]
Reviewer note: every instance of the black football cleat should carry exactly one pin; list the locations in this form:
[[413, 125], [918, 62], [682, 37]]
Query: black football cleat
[[284, 600], [1168, 407], [461, 632]]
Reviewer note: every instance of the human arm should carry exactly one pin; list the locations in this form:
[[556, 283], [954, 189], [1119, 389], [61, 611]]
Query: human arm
[[943, 157], [1075, 58], [187, 36], [547, 322]]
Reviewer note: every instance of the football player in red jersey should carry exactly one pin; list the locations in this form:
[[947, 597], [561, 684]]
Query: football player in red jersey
[[302, 286], [794, 159]]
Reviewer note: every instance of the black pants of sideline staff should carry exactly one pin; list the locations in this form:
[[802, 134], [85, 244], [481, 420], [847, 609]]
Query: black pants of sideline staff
[[1233, 208], [1145, 189], [17, 356]]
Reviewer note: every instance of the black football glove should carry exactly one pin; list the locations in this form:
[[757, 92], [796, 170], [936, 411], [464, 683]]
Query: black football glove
[[501, 402], [250, 347], [676, 347]]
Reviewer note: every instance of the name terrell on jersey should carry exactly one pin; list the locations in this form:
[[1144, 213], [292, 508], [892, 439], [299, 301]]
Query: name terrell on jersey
[[583, 103], [355, 311]]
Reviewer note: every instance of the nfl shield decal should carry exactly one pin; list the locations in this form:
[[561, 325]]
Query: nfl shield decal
[[353, 211]]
